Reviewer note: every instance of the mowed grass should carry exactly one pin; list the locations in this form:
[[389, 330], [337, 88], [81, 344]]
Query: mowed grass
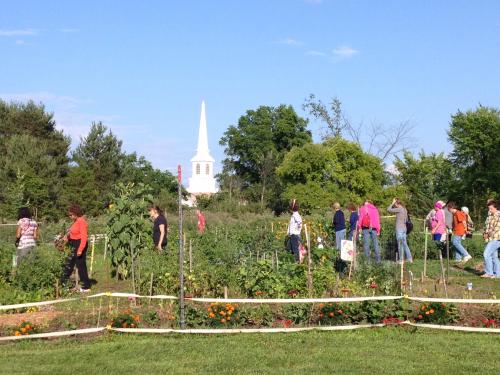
[[371, 351]]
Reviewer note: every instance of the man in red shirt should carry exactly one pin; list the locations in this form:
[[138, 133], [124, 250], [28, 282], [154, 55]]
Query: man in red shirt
[[459, 230]]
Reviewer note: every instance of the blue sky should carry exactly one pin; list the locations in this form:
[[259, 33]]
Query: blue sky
[[143, 68]]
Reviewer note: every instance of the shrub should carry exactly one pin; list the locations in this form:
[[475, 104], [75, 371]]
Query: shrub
[[125, 320], [25, 328], [333, 313], [40, 270], [223, 315], [436, 312]]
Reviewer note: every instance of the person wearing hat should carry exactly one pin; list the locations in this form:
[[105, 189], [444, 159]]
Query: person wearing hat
[[459, 229], [438, 225], [470, 223]]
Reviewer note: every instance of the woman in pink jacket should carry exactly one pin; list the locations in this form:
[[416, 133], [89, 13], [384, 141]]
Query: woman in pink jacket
[[369, 223]]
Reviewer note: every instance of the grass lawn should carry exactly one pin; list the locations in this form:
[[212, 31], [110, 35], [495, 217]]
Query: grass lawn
[[371, 351]]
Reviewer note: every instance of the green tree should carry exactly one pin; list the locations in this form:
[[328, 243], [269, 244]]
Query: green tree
[[256, 146], [318, 174], [101, 152], [424, 180], [81, 187], [474, 135], [33, 159]]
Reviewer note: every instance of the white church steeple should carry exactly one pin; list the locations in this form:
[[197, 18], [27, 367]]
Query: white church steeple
[[202, 179]]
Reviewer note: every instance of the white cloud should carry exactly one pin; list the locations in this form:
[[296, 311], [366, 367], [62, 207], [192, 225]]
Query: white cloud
[[345, 52], [315, 2], [18, 32], [316, 53], [290, 42], [21, 42], [69, 30]]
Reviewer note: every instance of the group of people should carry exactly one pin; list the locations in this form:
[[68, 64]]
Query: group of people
[[76, 237], [447, 222]]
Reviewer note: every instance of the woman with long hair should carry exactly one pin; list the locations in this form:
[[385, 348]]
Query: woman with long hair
[[77, 239], [26, 234], [294, 229]]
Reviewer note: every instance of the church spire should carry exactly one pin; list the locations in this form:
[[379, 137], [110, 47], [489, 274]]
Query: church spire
[[202, 132], [202, 152]]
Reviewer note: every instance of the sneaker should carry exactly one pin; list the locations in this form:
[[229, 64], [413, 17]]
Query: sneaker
[[83, 290], [466, 259]]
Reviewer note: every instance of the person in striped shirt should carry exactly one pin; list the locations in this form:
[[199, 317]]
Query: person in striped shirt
[[26, 234]]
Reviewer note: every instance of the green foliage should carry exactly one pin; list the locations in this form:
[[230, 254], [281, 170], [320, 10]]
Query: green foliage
[[425, 179], [474, 135], [255, 147], [33, 155], [318, 174], [128, 227], [40, 270], [125, 320], [437, 313]]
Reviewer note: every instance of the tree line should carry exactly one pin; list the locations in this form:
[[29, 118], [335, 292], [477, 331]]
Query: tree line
[[39, 170], [270, 158]]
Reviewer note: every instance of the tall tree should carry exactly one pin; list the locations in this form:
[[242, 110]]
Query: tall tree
[[425, 180], [318, 174], [382, 141], [101, 153], [256, 146], [474, 135], [33, 159]]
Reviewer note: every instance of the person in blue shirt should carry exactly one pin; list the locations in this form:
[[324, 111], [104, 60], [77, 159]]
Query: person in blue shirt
[[353, 219], [338, 225]]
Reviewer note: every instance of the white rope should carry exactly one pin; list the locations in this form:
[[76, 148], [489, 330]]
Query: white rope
[[256, 300], [245, 330], [53, 334], [294, 300]]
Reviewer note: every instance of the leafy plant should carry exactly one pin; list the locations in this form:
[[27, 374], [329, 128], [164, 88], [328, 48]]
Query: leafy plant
[[436, 312], [125, 320], [25, 328], [128, 227]]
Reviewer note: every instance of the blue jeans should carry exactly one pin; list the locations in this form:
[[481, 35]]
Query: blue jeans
[[460, 252], [371, 234], [339, 236], [491, 262], [401, 238]]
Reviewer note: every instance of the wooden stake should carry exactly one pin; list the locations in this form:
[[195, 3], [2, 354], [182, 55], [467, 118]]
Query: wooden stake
[[309, 263], [190, 255], [92, 248], [425, 253], [151, 288], [225, 292], [402, 260]]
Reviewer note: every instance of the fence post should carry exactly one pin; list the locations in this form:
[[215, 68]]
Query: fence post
[[309, 273], [92, 244], [190, 255], [425, 251]]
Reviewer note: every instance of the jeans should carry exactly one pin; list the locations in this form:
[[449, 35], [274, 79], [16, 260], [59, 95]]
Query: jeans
[[295, 240], [460, 252], [401, 238], [339, 236], [491, 262], [371, 234]]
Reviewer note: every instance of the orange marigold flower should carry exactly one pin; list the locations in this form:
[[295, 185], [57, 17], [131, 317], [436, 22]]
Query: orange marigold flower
[[222, 313], [331, 315], [211, 315], [427, 313], [223, 321], [420, 316], [431, 311]]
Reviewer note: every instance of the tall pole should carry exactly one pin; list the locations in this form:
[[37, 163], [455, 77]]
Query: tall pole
[[181, 253]]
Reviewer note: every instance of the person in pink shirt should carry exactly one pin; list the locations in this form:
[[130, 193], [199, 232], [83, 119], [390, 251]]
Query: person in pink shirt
[[369, 224], [438, 222], [201, 221]]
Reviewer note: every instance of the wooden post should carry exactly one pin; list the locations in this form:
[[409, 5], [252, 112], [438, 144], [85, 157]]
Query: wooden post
[[190, 255], [225, 292], [425, 252], [92, 248], [309, 263], [277, 261], [447, 256], [182, 312], [105, 245], [150, 288], [443, 277], [402, 260]]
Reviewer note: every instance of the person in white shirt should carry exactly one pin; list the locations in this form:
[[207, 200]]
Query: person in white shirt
[[294, 229]]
